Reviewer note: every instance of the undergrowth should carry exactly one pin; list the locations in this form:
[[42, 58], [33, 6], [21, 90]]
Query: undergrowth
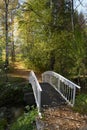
[[81, 103], [26, 121]]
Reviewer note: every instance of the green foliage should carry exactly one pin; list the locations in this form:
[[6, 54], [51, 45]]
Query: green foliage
[[0, 53], [25, 122], [12, 92], [3, 124], [39, 56], [81, 103], [49, 41], [63, 53], [11, 96]]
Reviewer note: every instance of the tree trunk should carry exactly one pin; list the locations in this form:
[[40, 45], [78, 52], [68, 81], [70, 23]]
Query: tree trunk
[[72, 15], [13, 52], [6, 33], [12, 46]]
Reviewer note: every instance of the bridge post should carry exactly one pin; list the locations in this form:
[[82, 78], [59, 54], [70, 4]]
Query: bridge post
[[39, 101], [43, 78], [74, 93]]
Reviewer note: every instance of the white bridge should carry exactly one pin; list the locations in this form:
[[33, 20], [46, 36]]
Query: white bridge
[[63, 87]]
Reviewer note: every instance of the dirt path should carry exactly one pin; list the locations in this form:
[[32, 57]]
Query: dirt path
[[19, 70]]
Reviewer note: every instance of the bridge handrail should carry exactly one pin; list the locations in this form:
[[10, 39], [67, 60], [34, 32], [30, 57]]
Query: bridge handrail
[[63, 79], [65, 87], [36, 89]]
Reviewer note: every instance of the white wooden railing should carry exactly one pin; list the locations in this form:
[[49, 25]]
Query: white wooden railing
[[36, 90], [65, 87]]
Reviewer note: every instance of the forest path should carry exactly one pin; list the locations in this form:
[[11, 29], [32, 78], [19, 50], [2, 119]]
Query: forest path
[[19, 70]]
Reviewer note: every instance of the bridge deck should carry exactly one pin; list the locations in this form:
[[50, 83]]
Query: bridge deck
[[50, 97]]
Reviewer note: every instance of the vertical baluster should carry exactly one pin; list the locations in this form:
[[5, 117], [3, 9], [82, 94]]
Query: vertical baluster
[[48, 78], [68, 93], [54, 81], [72, 95], [45, 78], [62, 88], [65, 90], [58, 84]]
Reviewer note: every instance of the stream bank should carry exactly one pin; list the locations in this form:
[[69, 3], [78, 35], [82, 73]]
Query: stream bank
[[13, 102]]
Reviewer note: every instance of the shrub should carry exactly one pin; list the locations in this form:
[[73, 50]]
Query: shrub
[[12, 94], [25, 122], [81, 103], [3, 124]]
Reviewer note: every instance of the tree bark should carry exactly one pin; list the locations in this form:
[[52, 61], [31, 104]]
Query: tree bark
[[6, 33], [12, 41], [72, 15]]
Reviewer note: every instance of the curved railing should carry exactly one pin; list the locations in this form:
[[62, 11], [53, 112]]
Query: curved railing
[[36, 90], [65, 87]]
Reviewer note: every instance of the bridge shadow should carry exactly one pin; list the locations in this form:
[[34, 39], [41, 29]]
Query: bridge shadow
[[50, 97]]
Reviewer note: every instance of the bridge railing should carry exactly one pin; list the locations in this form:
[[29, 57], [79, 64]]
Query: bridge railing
[[65, 87], [36, 90]]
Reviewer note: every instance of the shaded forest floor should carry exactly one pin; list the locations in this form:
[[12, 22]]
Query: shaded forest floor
[[60, 118]]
